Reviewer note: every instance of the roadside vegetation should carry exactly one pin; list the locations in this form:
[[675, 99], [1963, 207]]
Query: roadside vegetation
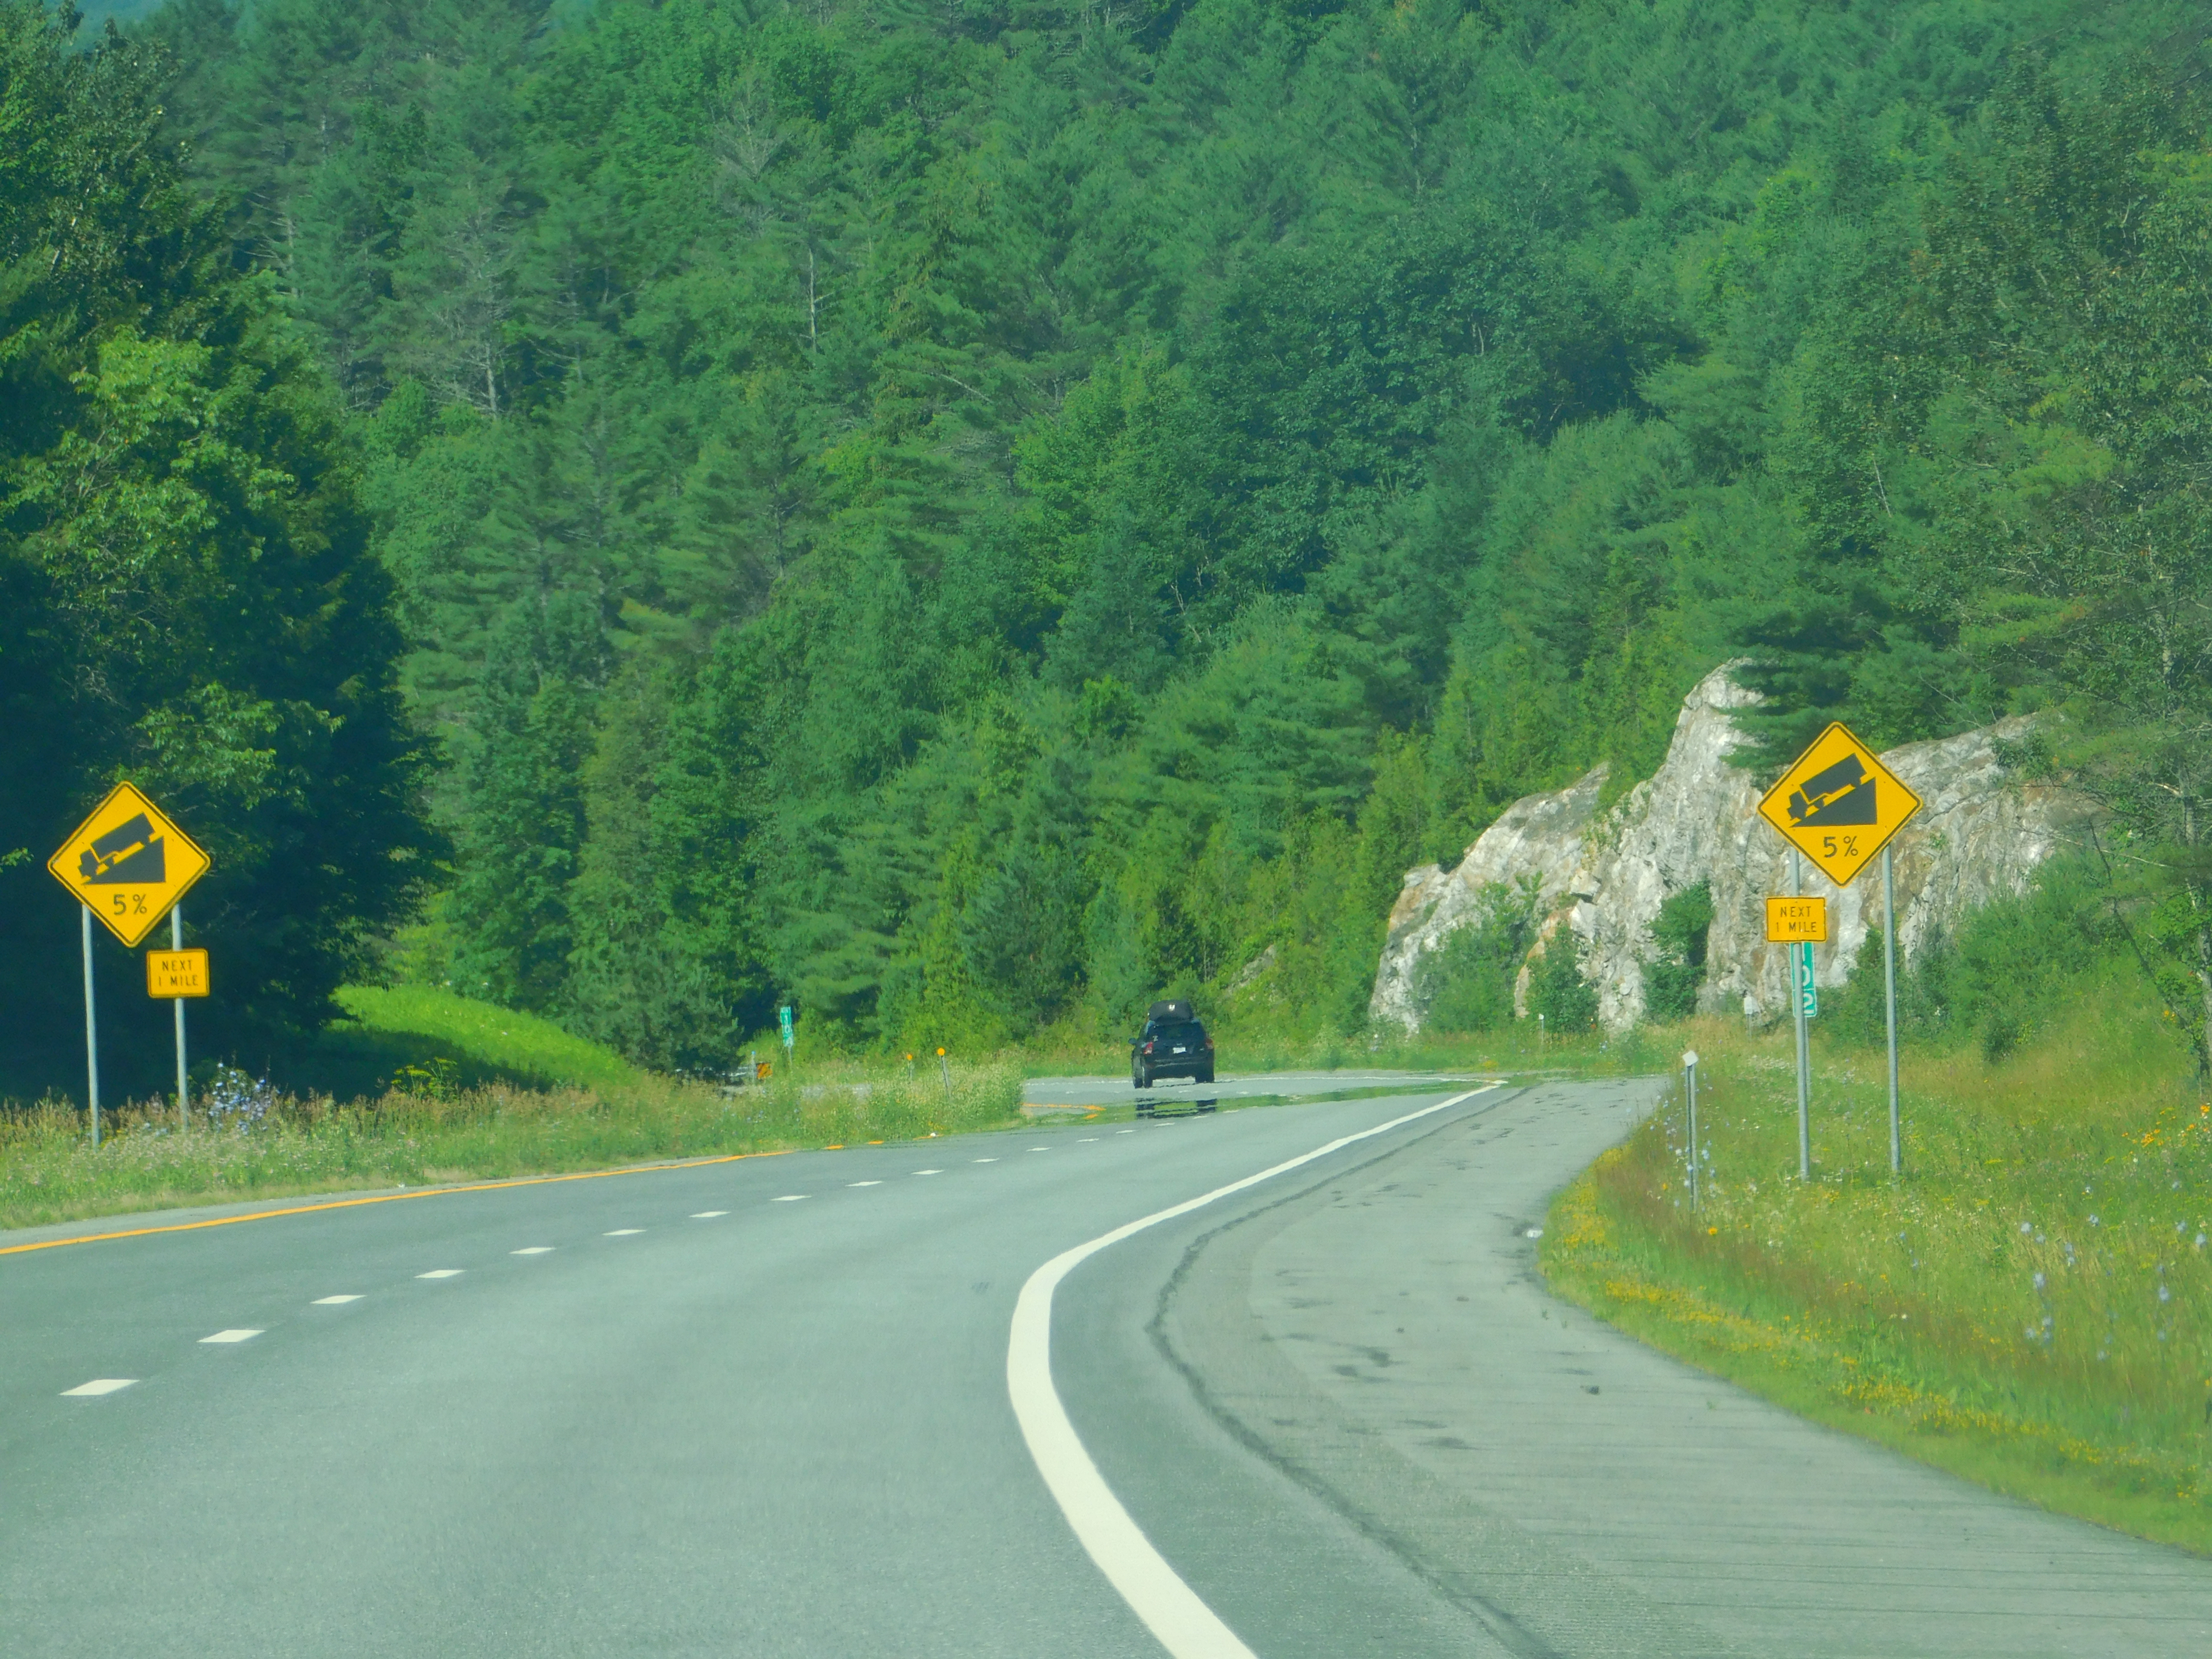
[[2029, 1306], [422, 1086], [247, 1140]]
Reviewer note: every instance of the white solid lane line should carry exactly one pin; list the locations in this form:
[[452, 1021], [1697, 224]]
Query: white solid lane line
[[864, 1183], [442, 1272], [1171, 1610], [100, 1385], [230, 1336], [333, 1301], [623, 1232], [707, 1215]]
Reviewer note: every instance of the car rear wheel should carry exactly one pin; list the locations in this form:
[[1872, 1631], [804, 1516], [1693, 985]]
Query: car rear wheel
[[1206, 1076], [1141, 1077]]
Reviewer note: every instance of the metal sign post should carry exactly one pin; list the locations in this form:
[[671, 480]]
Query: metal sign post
[[1804, 1052], [176, 943], [91, 1033], [1889, 987]]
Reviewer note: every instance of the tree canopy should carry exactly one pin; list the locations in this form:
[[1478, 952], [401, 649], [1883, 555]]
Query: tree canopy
[[970, 517], [191, 598]]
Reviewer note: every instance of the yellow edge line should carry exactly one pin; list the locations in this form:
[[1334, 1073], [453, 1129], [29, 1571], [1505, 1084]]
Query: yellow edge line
[[384, 1198]]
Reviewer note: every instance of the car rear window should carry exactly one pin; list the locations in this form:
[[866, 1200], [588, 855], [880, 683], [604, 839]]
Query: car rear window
[[1193, 1032]]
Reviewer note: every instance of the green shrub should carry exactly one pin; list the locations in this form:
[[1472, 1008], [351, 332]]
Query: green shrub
[[1672, 978], [2001, 976], [1559, 990], [1466, 984]]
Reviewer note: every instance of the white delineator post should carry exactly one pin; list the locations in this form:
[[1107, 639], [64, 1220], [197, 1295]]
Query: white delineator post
[[1889, 987], [91, 1033], [176, 943], [1804, 1054], [1690, 1085]]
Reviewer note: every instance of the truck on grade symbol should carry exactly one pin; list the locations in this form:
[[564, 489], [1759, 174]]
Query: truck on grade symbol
[[130, 855], [1842, 794]]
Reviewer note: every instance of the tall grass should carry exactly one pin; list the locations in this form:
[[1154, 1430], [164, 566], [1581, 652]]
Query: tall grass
[[254, 1145], [2030, 1304]]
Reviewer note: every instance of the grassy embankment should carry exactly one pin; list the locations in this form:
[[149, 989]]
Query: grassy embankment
[[475, 1092], [2029, 1306]]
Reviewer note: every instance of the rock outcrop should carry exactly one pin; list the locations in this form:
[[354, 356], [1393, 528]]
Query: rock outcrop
[[1605, 873]]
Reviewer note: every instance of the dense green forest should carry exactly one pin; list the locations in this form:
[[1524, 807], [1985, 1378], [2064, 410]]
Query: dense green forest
[[967, 517]]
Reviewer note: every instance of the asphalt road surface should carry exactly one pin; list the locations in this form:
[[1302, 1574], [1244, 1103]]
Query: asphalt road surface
[[762, 1408]]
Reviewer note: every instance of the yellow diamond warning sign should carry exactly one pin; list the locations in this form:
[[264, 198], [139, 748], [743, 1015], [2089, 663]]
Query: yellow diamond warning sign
[[1837, 804], [128, 863]]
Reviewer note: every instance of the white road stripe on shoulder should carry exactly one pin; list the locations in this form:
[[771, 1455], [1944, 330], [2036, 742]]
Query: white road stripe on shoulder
[[707, 1215], [623, 1232], [334, 1301], [100, 1385], [230, 1336], [791, 1198], [442, 1272], [1171, 1610], [533, 1250], [864, 1183]]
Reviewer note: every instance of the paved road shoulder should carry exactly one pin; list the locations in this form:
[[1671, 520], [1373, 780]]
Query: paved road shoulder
[[1384, 1341]]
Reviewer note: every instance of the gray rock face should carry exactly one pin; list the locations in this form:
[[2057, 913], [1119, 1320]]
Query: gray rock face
[[1605, 875]]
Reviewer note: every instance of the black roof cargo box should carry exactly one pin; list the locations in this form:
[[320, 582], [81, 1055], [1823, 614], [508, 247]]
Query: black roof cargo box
[[1169, 1011]]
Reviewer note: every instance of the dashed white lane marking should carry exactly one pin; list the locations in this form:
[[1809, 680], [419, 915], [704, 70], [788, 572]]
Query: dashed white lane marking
[[987, 1160], [1171, 1610], [921, 1172], [623, 1232], [1086, 1140], [442, 1272], [533, 1250], [231, 1336], [864, 1183], [100, 1385], [333, 1301], [1125, 1131], [791, 1198], [1040, 1149], [707, 1215]]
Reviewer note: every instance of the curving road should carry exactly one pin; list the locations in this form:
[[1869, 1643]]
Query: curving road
[[762, 1407]]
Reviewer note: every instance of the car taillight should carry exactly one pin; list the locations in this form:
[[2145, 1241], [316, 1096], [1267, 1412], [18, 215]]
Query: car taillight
[[1148, 1048]]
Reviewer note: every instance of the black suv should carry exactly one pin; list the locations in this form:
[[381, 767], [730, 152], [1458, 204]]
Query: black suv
[[1172, 1044]]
